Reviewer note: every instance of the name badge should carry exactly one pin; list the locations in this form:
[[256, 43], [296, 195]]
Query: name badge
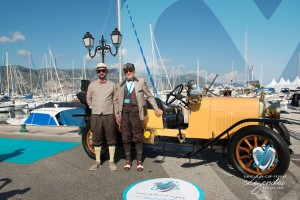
[[126, 100]]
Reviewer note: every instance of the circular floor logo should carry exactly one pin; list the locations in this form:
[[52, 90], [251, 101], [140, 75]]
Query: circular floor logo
[[163, 189]]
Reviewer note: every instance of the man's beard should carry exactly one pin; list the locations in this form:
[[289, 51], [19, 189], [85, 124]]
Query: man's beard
[[102, 78]]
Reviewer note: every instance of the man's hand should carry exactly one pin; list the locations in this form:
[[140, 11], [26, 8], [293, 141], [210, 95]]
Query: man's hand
[[118, 120], [158, 112]]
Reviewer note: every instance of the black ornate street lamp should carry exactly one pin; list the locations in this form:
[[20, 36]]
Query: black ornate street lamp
[[116, 38]]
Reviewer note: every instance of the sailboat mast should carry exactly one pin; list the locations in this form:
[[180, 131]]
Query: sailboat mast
[[198, 81], [47, 75], [153, 57], [298, 69], [260, 78], [168, 80], [252, 76], [73, 77], [11, 79], [30, 76], [120, 48], [7, 73], [173, 74], [232, 73], [206, 79], [55, 68], [245, 61]]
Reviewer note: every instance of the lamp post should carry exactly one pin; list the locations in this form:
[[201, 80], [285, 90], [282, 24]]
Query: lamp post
[[116, 38]]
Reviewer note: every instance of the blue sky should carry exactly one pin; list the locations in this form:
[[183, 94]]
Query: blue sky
[[212, 31]]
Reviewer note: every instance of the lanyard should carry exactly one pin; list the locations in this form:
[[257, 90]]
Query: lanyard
[[128, 92]]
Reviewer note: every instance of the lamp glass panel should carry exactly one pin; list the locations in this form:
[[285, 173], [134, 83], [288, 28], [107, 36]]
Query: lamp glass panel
[[115, 39], [88, 42]]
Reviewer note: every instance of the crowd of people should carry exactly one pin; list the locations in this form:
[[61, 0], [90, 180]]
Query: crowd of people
[[122, 104]]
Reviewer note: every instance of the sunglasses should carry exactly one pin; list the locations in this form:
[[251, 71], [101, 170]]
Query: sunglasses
[[127, 70], [101, 70]]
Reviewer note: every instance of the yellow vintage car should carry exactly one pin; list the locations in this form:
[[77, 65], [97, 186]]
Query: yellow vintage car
[[255, 138]]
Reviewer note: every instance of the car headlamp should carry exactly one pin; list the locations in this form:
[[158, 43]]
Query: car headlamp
[[273, 111]]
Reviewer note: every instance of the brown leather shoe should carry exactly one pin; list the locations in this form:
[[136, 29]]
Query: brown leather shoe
[[139, 166], [127, 166]]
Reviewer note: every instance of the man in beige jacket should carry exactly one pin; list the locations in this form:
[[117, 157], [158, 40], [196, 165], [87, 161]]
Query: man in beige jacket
[[131, 111], [100, 98]]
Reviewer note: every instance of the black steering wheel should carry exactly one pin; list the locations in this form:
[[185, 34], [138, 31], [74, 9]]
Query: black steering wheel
[[175, 94]]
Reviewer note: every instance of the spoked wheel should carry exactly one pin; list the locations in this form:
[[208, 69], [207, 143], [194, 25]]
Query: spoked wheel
[[87, 143], [259, 151]]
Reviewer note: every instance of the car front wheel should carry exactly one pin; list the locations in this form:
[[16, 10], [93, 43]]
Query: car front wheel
[[257, 151]]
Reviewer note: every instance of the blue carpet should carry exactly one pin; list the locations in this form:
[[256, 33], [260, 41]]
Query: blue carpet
[[29, 151]]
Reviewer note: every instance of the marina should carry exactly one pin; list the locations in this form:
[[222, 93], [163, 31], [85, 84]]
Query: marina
[[226, 81]]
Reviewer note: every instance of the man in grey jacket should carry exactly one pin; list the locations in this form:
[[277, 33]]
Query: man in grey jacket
[[131, 111], [100, 98]]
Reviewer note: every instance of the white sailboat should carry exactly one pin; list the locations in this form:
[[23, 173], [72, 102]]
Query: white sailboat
[[6, 107], [162, 89]]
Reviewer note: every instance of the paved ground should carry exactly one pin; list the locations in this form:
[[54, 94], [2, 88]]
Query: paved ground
[[66, 175]]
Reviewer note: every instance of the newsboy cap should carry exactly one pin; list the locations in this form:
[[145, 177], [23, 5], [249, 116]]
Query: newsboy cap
[[128, 66]]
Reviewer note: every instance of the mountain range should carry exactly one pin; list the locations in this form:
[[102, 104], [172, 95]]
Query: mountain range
[[23, 80]]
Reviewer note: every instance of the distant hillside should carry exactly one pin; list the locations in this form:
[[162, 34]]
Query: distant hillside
[[46, 81]]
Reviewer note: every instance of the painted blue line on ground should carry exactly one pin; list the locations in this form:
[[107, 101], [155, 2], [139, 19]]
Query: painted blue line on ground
[[28, 151]]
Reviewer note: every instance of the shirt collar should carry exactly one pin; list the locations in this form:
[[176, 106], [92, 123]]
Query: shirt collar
[[123, 82], [102, 81]]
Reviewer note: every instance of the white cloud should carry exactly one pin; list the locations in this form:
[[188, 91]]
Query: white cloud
[[140, 67], [59, 55], [87, 57], [226, 78], [14, 37], [113, 66], [229, 77], [124, 52], [22, 52]]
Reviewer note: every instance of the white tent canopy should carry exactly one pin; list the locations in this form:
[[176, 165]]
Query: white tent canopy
[[272, 84], [281, 82], [296, 82], [284, 84]]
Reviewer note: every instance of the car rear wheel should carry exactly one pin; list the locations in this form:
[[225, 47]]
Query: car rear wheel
[[87, 143], [257, 151]]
